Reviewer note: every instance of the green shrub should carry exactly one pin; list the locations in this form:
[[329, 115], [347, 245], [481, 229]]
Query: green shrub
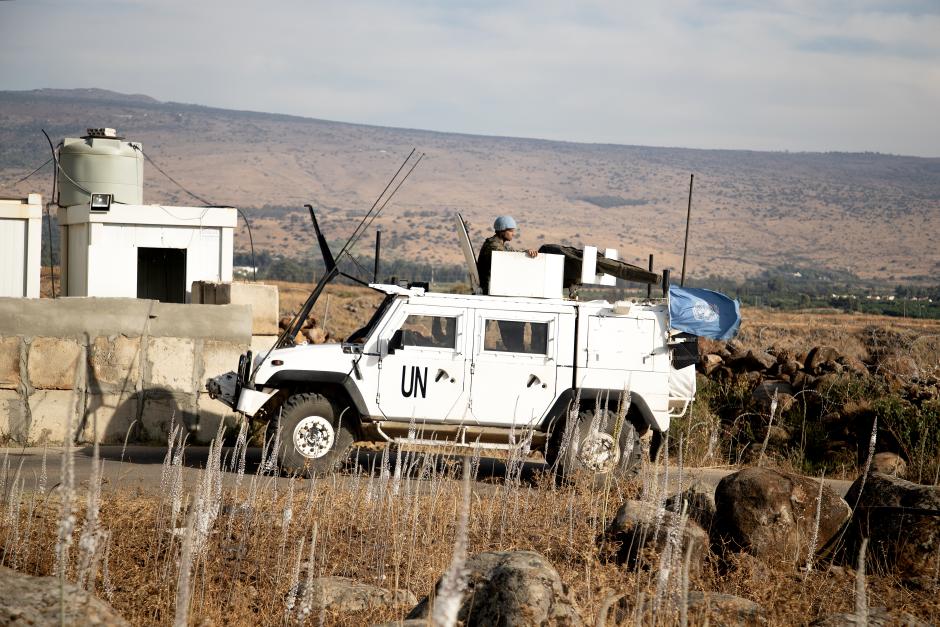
[[917, 430]]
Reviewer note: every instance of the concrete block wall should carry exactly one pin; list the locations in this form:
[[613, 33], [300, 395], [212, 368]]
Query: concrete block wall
[[114, 368], [264, 301]]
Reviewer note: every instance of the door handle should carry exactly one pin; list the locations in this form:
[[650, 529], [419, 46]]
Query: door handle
[[533, 379], [442, 374]]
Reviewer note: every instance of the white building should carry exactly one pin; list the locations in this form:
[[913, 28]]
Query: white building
[[144, 251], [20, 246]]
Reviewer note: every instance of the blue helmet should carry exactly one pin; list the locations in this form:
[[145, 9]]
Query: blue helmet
[[504, 222]]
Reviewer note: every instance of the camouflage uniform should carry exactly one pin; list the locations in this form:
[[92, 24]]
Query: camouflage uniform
[[485, 259]]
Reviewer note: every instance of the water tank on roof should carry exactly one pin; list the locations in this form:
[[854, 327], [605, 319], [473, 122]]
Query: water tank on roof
[[100, 163]]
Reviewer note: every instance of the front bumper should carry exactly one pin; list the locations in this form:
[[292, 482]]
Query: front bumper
[[224, 388]]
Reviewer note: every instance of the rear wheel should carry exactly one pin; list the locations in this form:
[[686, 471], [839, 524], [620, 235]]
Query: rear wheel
[[596, 446], [313, 439]]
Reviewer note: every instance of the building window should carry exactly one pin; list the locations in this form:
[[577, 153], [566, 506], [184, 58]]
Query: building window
[[430, 331], [513, 336]]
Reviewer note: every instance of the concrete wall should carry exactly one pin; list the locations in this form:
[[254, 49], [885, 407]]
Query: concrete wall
[[114, 366], [264, 301]]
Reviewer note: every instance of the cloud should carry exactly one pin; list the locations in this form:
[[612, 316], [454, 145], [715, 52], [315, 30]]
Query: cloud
[[791, 74]]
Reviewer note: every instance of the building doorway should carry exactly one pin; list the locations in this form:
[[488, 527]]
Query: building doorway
[[161, 274]]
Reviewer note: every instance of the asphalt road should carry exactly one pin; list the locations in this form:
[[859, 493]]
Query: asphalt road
[[138, 469]]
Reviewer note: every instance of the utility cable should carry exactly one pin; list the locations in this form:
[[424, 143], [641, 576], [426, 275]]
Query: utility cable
[[48, 161], [58, 168], [173, 180], [55, 180], [251, 241]]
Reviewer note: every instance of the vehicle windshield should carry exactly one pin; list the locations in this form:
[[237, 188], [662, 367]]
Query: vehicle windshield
[[359, 335]]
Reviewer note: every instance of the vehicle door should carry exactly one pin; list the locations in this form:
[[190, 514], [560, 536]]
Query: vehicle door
[[514, 366], [423, 371]]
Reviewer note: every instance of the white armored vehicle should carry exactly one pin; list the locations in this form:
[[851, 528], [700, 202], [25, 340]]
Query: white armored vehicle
[[580, 381]]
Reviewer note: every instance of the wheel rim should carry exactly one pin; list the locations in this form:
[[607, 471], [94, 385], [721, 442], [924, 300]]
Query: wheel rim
[[599, 452], [314, 437]]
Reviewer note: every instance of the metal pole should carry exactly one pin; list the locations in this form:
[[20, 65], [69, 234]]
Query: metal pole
[[649, 286], [378, 249], [688, 217]]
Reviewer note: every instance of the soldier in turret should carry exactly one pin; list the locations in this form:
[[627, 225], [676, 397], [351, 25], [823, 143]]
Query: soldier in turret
[[505, 228]]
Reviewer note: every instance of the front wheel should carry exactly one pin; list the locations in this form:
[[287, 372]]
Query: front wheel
[[313, 439], [598, 446]]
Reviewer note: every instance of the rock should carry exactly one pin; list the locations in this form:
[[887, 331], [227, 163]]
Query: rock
[[876, 617], [790, 368], [833, 366], [772, 515], [710, 363], [752, 378], [751, 360], [343, 595], [699, 503], [783, 355], [900, 520], [763, 395], [640, 536], [27, 600], [820, 355], [889, 464], [803, 381], [315, 335], [735, 346], [853, 364], [707, 346], [510, 588], [704, 608], [763, 360], [825, 383], [724, 609]]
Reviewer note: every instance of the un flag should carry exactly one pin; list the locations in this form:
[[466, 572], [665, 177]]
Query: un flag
[[704, 313]]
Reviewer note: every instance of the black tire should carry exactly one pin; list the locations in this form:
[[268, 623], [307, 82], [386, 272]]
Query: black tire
[[309, 422], [590, 448]]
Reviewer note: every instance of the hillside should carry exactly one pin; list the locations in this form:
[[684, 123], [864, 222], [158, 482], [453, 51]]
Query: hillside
[[871, 214]]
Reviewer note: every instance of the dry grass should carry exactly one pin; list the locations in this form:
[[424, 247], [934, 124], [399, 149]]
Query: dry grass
[[393, 530], [801, 330]]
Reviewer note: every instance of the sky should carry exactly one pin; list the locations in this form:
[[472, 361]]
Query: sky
[[797, 75]]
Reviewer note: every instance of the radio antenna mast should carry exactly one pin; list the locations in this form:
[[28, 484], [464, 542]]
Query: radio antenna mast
[[688, 218]]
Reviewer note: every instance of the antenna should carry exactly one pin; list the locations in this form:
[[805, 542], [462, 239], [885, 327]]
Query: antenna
[[685, 247], [332, 267]]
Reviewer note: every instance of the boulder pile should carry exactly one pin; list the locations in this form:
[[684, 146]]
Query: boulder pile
[[821, 398]]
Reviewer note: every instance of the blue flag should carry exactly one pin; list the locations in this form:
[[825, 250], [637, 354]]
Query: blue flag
[[703, 312]]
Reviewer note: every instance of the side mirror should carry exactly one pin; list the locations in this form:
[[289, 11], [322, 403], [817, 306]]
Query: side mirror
[[397, 342]]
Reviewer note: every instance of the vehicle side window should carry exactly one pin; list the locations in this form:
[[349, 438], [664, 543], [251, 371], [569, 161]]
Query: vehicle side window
[[430, 331], [514, 336]]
